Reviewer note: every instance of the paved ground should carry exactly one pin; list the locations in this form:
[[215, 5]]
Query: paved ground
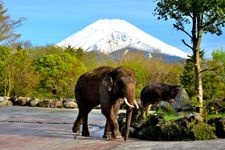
[[26, 128]]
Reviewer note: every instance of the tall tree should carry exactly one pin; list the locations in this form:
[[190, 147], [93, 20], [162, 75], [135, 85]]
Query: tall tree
[[17, 75], [212, 79], [187, 78], [7, 26], [219, 69], [6, 67], [58, 73], [25, 76], [204, 16]]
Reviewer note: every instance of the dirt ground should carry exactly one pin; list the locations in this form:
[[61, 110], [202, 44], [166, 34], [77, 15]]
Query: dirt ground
[[27, 128]]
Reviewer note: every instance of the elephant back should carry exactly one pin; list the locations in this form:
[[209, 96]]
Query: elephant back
[[97, 73], [87, 85]]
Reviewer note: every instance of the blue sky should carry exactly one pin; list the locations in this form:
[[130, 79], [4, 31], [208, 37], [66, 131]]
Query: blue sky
[[50, 21]]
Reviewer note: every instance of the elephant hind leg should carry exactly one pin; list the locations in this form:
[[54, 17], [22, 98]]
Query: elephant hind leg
[[77, 123], [85, 131], [81, 119]]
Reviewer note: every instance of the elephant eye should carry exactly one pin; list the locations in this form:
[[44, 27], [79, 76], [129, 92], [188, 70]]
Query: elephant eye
[[120, 84]]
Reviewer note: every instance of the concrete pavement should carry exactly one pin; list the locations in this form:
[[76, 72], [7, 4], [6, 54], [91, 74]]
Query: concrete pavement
[[27, 128]]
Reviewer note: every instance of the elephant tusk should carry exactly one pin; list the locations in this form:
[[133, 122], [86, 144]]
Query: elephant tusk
[[135, 103], [125, 99]]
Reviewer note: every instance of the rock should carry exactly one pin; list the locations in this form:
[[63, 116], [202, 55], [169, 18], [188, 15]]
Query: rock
[[45, 103], [10, 103], [22, 101], [182, 102], [215, 106], [182, 122], [158, 129], [137, 113], [186, 107], [194, 116], [56, 104], [122, 119], [164, 106], [14, 100], [155, 119], [201, 131], [33, 102], [69, 103], [3, 101]]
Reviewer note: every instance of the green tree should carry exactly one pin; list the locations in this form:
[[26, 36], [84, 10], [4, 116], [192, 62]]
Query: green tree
[[212, 76], [17, 75], [25, 76], [151, 70], [6, 67], [187, 78], [94, 59], [217, 74], [140, 74], [7, 26], [77, 52], [204, 16], [58, 73]]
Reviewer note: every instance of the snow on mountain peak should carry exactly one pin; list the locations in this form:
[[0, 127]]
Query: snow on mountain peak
[[109, 35]]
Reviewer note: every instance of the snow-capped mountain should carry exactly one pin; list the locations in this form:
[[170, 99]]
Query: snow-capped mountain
[[109, 35]]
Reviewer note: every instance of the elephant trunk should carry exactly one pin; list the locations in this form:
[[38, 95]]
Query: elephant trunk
[[130, 98]]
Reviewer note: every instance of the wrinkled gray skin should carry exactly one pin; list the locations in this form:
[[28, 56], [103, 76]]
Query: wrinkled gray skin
[[105, 86]]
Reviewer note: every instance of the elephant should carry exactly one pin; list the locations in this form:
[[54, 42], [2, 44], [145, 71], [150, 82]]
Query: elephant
[[106, 86], [154, 93]]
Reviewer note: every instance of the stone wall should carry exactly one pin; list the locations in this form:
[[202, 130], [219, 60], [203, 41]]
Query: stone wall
[[35, 102]]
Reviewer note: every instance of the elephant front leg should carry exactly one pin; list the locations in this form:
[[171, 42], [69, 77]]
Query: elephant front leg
[[113, 123], [115, 111], [112, 126], [115, 130], [107, 131]]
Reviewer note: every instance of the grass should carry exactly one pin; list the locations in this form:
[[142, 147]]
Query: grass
[[174, 116], [169, 116], [217, 115]]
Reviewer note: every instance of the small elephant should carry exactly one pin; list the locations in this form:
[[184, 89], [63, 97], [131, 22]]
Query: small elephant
[[154, 93], [105, 86]]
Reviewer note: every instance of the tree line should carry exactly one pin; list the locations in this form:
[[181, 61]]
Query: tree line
[[51, 71]]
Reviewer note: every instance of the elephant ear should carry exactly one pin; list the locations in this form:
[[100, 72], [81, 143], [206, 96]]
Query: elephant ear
[[108, 82]]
